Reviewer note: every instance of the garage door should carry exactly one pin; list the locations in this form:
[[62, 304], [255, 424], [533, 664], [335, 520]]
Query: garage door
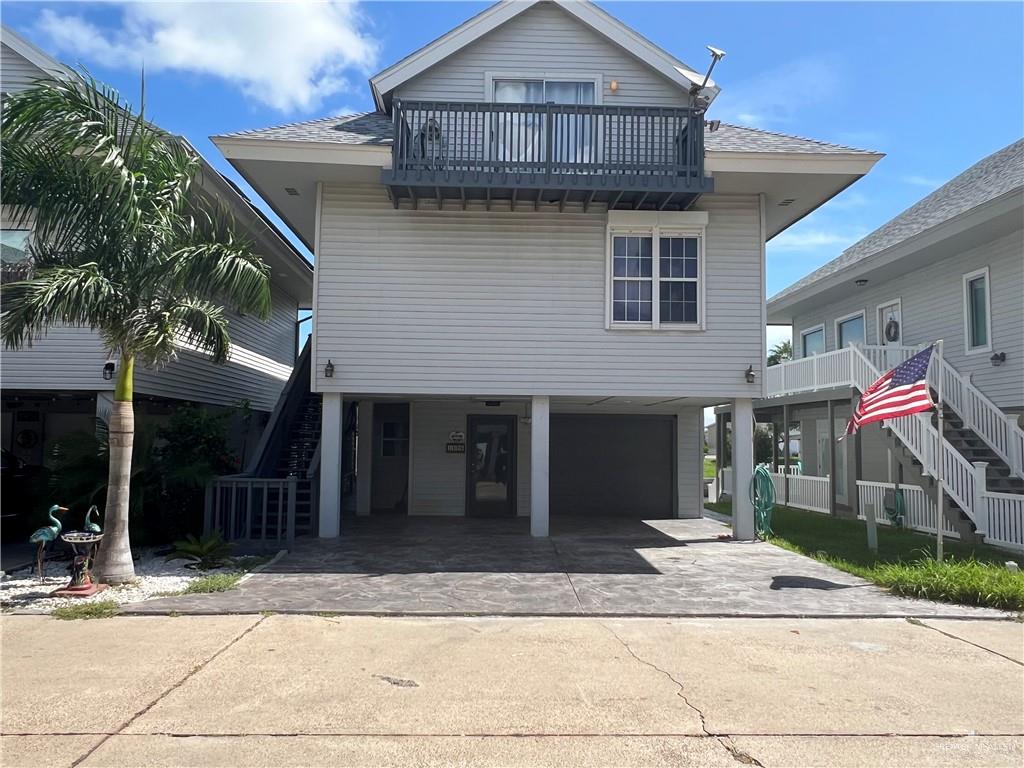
[[612, 465]]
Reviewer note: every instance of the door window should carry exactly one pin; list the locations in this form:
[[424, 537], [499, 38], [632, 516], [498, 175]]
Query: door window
[[976, 307], [890, 324], [518, 137], [490, 465]]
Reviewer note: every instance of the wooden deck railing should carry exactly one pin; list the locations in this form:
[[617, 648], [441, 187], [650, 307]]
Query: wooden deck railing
[[256, 510], [547, 145]]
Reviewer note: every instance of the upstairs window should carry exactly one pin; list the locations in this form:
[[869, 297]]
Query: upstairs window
[[812, 341], [977, 312], [850, 330], [655, 272]]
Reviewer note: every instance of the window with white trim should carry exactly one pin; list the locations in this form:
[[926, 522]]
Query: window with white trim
[[812, 341], [850, 330], [656, 278], [977, 312]]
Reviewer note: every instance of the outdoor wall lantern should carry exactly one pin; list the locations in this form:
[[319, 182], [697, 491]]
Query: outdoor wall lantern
[[998, 359], [329, 370], [749, 375], [108, 370]]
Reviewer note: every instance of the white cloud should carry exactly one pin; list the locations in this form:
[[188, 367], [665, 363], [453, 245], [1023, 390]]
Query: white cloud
[[775, 96], [289, 56], [813, 239], [922, 181]]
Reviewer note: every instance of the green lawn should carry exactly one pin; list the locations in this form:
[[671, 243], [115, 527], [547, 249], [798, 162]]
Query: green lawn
[[709, 468], [973, 575]]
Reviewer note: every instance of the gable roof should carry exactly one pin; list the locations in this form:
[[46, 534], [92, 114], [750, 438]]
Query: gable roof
[[995, 176], [606, 25], [376, 129], [32, 54]]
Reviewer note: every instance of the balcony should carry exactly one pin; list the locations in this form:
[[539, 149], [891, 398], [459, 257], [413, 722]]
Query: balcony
[[623, 157]]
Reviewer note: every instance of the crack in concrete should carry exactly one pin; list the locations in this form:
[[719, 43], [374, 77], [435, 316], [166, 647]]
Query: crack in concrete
[[738, 754], [681, 693], [188, 676], [919, 623]]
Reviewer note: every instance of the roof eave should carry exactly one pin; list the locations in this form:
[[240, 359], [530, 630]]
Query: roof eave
[[965, 220]]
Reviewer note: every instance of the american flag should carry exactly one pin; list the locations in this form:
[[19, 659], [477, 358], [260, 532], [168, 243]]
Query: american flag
[[899, 392]]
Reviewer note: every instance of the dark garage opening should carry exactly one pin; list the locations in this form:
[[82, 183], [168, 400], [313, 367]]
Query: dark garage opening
[[618, 466]]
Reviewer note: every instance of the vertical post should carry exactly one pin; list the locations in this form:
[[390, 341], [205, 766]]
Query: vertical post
[[979, 503], [832, 458], [330, 465], [939, 458], [540, 413], [208, 509], [858, 462], [689, 463], [364, 459], [775, 446], [719, 454], [742, 468], [293, 485], [785, 453]]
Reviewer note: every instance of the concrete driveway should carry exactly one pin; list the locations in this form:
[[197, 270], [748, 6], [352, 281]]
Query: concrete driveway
[[459, 567], [356, 691]]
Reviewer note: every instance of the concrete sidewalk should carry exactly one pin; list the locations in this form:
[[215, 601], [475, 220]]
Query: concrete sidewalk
[[322, 690]]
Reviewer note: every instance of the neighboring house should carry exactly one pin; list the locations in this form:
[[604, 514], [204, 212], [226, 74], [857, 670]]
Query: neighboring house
[[536, 265], [59, 384], [950, 267]]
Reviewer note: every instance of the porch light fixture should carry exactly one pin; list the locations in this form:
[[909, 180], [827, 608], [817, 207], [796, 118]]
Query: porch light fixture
[[749, 375], [492, 403], [108, 370], [998, 359], [329, 370], [860, 283]]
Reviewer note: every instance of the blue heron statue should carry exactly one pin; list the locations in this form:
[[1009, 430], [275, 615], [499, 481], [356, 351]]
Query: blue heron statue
[[89, 525], [46, 534]]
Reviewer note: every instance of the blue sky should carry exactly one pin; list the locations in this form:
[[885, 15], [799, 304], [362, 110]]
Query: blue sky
[[936, 86]]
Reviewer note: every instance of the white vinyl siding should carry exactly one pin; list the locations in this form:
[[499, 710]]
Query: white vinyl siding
[[544, 39], [474, 302], [932, 305], [16, 72]]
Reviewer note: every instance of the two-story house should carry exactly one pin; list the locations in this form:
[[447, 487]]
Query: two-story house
[[949, 268], [64, 381], [536, 263]]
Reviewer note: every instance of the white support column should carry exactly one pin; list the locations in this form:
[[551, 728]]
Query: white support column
[[330, 465], [690, 463], [540, 418], [742, 468], [364, 467]]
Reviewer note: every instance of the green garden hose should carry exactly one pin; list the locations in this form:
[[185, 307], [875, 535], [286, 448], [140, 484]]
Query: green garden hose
[[762, 496], [895, 504]]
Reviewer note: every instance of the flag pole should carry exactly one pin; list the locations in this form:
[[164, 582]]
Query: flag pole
[[938, 455]]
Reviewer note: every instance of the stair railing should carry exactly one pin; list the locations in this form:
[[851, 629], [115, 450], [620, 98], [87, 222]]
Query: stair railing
[[962, 481], [999, 431]]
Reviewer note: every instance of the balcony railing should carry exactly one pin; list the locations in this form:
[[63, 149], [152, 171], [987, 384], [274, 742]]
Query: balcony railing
[[623, 156]]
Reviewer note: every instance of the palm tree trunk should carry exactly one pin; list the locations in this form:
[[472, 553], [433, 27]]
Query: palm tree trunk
[[114, 561]]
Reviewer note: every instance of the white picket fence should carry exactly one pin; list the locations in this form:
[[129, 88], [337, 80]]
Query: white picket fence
[[805, 492], [919, 514]]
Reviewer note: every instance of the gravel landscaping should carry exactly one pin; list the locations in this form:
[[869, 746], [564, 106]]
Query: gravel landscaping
[[23, 592]]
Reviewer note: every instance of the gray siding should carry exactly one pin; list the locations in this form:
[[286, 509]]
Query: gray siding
[[16, 72], [544, 40], [73, 358], [933, 308], [500, 302], [439, 478], [193, 377]]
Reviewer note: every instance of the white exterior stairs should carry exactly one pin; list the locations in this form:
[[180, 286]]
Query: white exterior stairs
[[981, 450]]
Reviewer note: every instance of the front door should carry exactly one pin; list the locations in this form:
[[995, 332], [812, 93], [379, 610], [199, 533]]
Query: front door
[[890, 324], [389, 490], [491, 466]]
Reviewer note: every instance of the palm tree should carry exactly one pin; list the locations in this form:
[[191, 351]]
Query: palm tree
[[124, 243]]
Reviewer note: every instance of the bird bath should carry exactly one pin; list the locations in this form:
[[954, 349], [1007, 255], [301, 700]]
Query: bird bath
[[81, 584]]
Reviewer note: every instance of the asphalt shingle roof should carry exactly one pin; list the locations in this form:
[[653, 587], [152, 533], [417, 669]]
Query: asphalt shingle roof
[[992, 177], [375, 128]]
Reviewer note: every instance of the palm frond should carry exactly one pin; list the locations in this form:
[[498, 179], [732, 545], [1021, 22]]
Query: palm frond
[[76, 296], [201, 324]]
